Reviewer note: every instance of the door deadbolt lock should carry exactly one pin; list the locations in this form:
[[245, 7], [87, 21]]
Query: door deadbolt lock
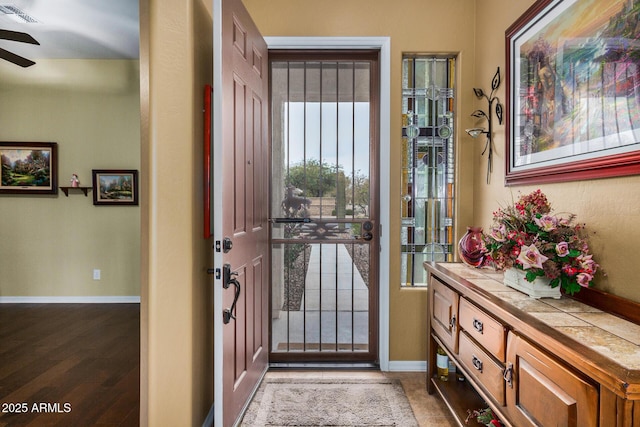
[[367, 231], [227, 245]]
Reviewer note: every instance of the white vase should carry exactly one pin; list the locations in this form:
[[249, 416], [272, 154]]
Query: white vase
[[539, 288]]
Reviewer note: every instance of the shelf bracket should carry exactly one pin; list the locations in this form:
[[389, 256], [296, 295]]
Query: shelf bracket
[[85, 190]]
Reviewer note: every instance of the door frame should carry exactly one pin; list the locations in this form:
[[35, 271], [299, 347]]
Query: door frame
[[384, 45]]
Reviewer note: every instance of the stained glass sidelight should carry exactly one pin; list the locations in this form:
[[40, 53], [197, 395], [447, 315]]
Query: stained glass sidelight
[[427, 201]]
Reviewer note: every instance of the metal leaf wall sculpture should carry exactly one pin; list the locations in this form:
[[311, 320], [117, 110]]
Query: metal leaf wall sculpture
[[481, 114]]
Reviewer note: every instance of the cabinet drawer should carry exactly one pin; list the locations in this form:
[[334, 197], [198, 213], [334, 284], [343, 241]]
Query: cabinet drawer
[[487, 372], [487, 331]]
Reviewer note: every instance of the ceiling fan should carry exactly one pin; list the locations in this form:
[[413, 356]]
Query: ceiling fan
[[20, 37]]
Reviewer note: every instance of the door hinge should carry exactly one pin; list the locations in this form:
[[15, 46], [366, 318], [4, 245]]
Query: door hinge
[[217, 246]]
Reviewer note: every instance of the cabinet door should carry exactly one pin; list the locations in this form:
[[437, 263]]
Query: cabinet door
[[444, 309], [541, 392]]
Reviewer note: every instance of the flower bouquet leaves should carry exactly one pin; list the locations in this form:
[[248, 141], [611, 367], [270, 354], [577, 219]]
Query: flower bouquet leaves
[[528, 236], [483, 416]]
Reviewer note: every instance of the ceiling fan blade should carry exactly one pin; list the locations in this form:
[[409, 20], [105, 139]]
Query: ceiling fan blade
[[17, 36], [16, 59]]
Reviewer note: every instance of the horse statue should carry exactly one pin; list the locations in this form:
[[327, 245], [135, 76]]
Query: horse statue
[[293, 203]]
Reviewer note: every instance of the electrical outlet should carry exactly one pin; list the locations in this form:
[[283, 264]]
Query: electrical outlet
[[96, 274]]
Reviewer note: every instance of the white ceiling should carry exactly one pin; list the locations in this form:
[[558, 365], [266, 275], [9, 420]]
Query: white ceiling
[[74, 29]]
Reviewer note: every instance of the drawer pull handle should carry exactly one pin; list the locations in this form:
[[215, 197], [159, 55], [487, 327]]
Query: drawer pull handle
[[452, 323], [508, 374], [477, 325], [477, 363]]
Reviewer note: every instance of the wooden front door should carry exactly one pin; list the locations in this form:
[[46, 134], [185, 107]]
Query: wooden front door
[[240, 176]]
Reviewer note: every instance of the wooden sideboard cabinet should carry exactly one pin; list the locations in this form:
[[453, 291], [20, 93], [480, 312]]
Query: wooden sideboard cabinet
[[535, 362]]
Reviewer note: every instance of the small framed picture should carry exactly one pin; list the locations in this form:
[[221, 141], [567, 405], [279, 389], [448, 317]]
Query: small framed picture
[[29, 168], [115, 187]]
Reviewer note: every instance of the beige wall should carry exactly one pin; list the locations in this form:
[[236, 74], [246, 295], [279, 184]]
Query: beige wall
[[425, 26], [176, 319], [609, 207], [475, 31], [49, 245]]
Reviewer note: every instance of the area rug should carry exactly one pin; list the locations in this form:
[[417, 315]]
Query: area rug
[[310, 402]]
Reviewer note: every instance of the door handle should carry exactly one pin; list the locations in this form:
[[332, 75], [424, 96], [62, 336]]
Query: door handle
[[228, 280], [508, 375]]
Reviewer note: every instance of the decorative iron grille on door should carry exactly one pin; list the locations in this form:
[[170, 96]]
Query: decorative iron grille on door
[[427, 164], [324, 230]]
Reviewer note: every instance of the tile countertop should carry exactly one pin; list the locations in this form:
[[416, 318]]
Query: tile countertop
[[605, 333]]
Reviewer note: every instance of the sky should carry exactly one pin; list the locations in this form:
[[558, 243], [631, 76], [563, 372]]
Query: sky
[[13, 155], [343, 138]]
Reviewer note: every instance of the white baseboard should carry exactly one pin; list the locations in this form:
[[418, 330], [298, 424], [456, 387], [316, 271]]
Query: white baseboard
[[407, 366], [71, 300]]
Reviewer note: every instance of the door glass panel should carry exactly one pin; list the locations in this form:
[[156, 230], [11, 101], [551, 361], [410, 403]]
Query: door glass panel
[[321, 209], [427, 164]]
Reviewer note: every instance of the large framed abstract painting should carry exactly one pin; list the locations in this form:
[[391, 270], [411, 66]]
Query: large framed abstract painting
[[573, 91], [29, 168]]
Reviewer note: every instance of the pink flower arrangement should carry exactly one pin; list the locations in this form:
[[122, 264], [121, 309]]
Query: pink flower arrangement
[[529, 237], [483, 416]]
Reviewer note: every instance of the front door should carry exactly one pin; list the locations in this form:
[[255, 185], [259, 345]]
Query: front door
[[324, 207], [240, 181]]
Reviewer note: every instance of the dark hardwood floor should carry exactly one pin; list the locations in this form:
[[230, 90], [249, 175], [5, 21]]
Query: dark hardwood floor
[[69, 365]]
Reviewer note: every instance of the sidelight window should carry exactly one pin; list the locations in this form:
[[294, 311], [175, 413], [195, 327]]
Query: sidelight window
[[427, 201]]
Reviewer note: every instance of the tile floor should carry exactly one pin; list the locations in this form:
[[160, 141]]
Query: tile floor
[[429, 410]]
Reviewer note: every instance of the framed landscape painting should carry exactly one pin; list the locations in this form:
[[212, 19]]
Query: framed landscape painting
[[29, 167], [573, 91], [115, 187]]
